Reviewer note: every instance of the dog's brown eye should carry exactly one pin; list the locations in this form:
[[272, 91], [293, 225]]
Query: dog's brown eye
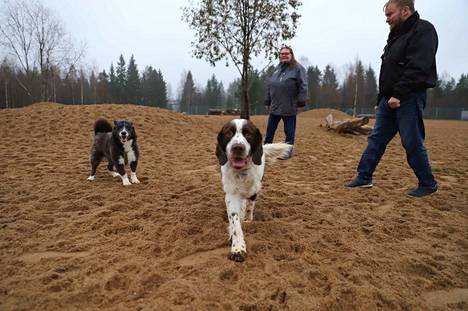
[[248, 135], [229, 134]]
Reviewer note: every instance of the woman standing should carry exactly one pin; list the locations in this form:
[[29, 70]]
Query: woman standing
[[286, 91]]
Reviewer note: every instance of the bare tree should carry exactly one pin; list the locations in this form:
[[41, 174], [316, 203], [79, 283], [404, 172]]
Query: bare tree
[[17, 39], [236, 30], [34, 37]]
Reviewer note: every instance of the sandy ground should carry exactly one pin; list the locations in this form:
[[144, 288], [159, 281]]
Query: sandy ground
[[70, 244]]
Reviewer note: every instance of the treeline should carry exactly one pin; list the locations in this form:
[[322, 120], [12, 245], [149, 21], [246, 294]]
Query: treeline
[[121, 84], [448, 98], [359, 87], [357, 92], [41, 63]]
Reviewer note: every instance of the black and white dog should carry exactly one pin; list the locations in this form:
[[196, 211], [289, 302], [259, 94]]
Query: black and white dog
[[118, 145], [242, 158]]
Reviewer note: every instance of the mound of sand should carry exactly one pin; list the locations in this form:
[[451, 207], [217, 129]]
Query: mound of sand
[[323, 112], [67, 243]]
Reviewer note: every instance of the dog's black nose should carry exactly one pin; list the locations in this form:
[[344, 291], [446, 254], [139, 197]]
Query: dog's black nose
[[238, 148], [123, 134]]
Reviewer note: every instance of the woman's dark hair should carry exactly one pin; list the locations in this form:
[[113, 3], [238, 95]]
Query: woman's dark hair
[[293, 59]]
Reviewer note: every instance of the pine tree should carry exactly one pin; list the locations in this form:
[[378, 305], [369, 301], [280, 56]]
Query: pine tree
[[256, 93], [154, 91], [161, 90], [233, 95], [121, 81], [330, 87], [114, 86], [147, 86], [103, 88], [370, 88], [461, 92], [213, 94], [188, 95], [359, 91], [132, 85], [72, 78], [314, 76]]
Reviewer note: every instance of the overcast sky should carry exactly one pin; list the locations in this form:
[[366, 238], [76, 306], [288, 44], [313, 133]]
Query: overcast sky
[[330, 32]]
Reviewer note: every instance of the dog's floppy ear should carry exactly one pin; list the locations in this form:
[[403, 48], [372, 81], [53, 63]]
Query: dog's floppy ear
[[257, 148], [221, 149]]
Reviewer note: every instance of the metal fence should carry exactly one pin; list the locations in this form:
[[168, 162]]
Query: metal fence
[[429, 113]]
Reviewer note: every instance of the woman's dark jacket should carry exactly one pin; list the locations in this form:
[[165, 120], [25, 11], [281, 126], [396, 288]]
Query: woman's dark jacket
[[286, 89]]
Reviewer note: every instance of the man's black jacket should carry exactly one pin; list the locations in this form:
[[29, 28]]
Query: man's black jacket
[[408, 61]]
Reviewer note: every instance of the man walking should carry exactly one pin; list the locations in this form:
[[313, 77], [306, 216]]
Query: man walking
[[408, 69]]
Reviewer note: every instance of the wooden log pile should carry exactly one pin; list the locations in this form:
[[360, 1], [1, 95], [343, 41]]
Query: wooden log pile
[[356, 126]]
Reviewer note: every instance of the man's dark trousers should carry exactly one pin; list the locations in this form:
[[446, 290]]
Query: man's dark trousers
[[289, 128], [407, 120]]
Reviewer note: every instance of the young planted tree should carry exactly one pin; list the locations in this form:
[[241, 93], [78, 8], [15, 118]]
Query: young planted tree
[[237, 30]]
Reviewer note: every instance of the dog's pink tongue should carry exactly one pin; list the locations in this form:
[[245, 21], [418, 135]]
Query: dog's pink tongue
[[239, 163]]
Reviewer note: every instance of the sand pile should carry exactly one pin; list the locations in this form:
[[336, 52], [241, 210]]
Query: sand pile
[[67, 243], [321, 113]]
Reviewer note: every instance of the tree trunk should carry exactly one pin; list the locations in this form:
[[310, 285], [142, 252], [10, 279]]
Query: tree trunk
[[81, 85], [55, 92], [6, 93], [355, 97], [245, 88]]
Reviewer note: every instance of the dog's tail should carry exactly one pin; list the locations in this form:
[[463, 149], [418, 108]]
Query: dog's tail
[[102, 126], [274, 151]]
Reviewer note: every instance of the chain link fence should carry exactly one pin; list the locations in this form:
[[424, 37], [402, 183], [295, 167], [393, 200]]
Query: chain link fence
[[429, 113]]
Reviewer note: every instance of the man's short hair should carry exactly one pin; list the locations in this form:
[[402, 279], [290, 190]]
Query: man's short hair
[[402, 4]]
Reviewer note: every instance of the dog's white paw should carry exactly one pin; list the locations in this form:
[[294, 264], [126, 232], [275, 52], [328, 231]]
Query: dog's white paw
[[134, 178], [114, 174], [125, 180], [91, 178]]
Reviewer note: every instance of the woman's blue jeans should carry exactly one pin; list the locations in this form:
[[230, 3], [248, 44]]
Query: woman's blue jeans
[[407, 120], [289, 128]]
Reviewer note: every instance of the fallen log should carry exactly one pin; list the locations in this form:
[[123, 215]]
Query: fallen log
[[352, 126]]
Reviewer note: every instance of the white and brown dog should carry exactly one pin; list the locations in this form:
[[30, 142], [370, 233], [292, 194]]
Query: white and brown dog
[[242, 158]]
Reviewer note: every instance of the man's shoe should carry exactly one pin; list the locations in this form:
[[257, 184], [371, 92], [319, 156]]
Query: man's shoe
[[422, 191], [287, 156], [359, 183]]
